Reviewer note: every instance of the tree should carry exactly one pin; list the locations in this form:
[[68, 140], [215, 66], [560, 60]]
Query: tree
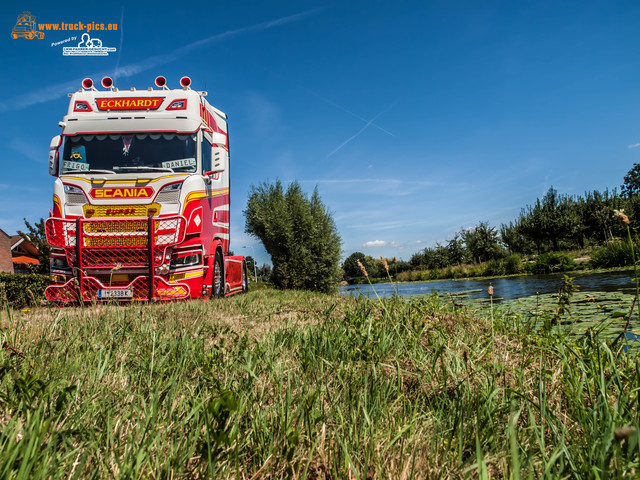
[[512, 238], [38, 238], [352, 270], [298, 232], [456, 250], [350, 266], [482, 243], [631, 185], [264, 272], [251, 266]]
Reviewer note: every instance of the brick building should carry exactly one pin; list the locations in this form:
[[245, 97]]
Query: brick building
[[16, 254], [24, 254], [6, 258]]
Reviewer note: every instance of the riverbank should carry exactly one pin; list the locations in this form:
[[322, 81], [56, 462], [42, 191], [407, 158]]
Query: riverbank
[[399, 279], [506, 286], [298, 385], [614, 256]]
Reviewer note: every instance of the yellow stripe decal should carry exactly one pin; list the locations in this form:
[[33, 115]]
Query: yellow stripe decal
[[121, 181], [200, 194]]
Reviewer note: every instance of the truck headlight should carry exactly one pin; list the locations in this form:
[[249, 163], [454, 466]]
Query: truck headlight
[[186, 261], [170, 193], [59, 263], [75, 195]]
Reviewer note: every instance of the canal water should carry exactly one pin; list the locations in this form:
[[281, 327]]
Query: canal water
[[507, 288]]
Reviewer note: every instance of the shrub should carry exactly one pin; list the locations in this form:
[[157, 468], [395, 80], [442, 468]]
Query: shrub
[[23, 290], [513, 264], [493, 267], [615, 254], [552, 263], [299, 233]]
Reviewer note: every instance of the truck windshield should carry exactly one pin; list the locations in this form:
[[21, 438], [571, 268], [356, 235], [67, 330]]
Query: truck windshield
[[126, 153]]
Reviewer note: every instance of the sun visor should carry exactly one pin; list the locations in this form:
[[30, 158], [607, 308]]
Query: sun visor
[[117, 124]]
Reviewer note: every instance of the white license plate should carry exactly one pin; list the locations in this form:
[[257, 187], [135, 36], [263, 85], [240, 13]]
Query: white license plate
[[115, 293]]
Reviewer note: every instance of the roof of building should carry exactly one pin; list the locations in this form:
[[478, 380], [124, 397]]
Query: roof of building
[[24, 259], [25, 245]]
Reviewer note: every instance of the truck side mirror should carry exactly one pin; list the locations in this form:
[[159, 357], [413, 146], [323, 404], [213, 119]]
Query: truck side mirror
[[53, 155], [218, 160]]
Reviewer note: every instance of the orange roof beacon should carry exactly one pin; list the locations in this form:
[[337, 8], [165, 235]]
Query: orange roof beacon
[[141, 197]]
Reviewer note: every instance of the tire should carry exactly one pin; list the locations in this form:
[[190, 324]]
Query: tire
[[217, 282], [245, 278]]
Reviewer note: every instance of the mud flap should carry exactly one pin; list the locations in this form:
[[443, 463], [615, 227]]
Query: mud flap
[[233, 274]]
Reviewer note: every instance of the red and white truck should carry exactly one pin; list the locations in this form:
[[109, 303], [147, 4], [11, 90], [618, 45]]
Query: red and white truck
[[141, 198]]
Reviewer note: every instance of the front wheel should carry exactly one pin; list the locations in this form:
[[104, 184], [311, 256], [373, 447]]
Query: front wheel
[[217, 290]]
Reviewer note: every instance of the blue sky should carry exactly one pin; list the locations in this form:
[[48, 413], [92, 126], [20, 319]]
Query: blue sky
[[414, 119]]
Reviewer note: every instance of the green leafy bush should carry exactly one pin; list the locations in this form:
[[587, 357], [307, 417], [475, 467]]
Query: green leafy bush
[[493, 268], [513, 264], [552, 263], [299, 234], [616, 254], [23, 290]]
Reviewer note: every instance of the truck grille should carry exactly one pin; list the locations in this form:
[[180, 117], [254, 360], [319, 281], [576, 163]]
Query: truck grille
[[111, 243], [119, 211]]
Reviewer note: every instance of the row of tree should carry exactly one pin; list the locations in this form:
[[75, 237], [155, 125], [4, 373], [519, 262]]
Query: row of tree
[[563, 222], [300, 235], [553, 223]]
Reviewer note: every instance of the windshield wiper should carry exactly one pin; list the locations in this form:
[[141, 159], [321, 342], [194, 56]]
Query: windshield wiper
[[89, 171], [144, 169]]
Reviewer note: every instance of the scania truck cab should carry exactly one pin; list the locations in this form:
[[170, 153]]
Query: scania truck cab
[[141, 198]]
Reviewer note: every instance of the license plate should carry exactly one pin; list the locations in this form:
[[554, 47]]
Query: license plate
[[115, 293]]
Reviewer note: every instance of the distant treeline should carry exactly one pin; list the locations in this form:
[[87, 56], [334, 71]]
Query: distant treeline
[[553, 224], [563, 222]]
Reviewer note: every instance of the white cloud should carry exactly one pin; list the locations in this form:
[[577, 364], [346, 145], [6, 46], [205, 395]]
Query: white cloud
[[634, 145], [376, 243], [381, 243]]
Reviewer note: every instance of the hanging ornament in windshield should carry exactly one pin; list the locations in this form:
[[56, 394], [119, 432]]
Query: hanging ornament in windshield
[[126, 141]]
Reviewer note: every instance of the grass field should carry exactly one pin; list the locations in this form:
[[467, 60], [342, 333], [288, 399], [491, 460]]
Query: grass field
[[298, 385]]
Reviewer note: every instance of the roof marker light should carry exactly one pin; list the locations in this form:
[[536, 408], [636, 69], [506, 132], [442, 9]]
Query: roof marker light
[[185, 82], [81, 106], [87, 83], [107, 82], [161, 82], [180, 104]]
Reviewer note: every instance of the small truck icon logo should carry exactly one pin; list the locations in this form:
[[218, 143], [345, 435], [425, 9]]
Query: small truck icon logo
[[26, 27]]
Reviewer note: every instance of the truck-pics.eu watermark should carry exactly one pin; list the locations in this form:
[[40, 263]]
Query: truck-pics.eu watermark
[[27, 27], [88, 46]]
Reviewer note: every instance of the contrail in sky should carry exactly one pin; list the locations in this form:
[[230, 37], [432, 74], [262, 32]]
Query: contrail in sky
[[56, 91], [370, 122], [287, 79], [353, 114], [121, 40]]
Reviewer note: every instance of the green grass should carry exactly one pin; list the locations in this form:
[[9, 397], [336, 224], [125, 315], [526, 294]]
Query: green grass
[[297, 385]]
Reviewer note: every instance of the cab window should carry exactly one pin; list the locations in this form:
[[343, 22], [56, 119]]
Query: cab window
[[206, 155]]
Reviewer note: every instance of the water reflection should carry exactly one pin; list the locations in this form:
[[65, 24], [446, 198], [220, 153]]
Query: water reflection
[[507, 288]]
